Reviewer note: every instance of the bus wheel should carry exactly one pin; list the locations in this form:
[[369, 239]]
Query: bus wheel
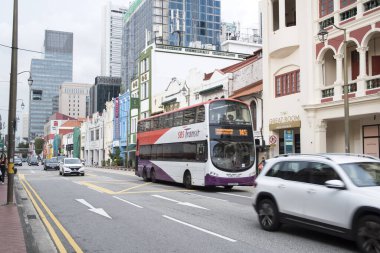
[[144, 175], [228, 187], [153, 176], [187, 180]]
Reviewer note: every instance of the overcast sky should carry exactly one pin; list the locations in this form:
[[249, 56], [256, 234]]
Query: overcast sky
[[83, 18]]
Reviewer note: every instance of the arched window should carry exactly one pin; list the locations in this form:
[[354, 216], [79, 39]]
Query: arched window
[[254, 115]]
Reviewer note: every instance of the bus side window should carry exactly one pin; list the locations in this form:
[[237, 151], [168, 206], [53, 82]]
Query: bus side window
[[169, 120], [155, 124], [162, 121], [154, 152], [200, 114], [189, 116], [140, 127], [159, 152], [201, 152], [178, 116]]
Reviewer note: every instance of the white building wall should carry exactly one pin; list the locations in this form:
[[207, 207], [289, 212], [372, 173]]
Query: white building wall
[[72, 99]]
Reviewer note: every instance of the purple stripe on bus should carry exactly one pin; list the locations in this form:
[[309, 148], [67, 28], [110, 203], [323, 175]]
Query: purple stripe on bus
[[244, 181], [160, 173]]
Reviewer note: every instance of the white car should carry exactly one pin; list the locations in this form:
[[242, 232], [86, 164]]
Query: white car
[[334, 193], [71, 166]]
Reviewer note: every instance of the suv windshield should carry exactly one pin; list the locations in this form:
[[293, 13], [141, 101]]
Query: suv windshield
[[72, 161], [232, 156], [363, 174]]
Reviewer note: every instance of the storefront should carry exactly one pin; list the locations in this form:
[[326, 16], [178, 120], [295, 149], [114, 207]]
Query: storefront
[[371, 140], [286, 135]]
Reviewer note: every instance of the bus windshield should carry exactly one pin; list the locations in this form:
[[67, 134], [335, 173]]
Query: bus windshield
[[229, 112], [232, 146]]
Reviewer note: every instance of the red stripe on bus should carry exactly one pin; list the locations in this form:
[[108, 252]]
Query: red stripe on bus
[[151, 137]]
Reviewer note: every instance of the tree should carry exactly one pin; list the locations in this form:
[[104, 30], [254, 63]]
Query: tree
[[39, 145]]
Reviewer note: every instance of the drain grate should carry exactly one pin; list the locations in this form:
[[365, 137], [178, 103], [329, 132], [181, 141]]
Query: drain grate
[[31, 216], [24, 198]]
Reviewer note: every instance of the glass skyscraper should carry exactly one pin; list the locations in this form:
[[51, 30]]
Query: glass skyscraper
[[48, 74], [172, 22]]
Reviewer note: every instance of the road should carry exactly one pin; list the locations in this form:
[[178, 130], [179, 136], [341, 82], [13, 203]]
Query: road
[[115, 211]]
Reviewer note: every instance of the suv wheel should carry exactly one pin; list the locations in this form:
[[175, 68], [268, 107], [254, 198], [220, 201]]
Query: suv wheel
[[368, 234], [268, 215]]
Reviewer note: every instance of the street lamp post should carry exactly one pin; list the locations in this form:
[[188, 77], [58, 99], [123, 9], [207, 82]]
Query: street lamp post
[[322, 35], [12, 104]]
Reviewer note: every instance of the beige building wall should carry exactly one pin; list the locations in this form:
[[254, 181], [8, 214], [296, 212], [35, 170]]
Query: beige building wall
[[72, 99]]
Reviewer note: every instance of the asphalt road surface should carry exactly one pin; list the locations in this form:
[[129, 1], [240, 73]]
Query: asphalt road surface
[[115, 211]]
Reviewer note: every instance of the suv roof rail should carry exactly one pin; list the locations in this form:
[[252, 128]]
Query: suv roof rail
[[354, 154], [298, 154]]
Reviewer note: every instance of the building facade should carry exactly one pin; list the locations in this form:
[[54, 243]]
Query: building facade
[[73, 99], [48, 74], [189, 23], [108, 115], [104, 89], [94, 142], [112, 22], [304, 76]]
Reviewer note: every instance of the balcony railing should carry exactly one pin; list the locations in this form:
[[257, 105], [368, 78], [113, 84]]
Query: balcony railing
[[352, 87], [371, 5], [348, 14], [327, 22], [328, 93], [373, 83]]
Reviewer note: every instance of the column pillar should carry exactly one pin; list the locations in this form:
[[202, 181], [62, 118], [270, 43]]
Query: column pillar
[[362, 61], [339, 68], [361, 80], [320, 134], [281, 13]]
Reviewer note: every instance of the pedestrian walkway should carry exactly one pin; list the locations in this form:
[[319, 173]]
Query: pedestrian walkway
[[11, 233]]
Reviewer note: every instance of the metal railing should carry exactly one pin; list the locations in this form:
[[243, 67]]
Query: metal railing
[[373, 83], [328, 92]]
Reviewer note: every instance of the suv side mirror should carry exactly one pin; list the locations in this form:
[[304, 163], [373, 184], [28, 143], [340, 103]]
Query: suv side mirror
[[335, 184]]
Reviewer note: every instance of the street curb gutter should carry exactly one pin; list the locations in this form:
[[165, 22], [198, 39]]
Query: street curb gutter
[[37, 239]]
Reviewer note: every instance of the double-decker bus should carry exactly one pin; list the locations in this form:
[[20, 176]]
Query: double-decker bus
[[207, 144]]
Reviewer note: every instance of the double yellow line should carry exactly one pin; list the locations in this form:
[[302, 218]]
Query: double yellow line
[[30, 191]]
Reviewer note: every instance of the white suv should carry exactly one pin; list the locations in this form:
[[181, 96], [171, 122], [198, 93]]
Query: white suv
[[335, 193]]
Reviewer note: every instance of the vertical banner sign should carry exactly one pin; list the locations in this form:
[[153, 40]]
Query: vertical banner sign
[[288, 138]]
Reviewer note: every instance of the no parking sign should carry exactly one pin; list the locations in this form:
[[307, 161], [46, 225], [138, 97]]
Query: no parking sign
[[272, 139]]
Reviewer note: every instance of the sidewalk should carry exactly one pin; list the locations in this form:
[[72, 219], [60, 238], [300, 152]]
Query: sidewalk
[[11, 232]]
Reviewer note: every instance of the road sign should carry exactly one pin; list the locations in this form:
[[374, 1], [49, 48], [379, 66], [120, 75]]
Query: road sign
[[272, 139]]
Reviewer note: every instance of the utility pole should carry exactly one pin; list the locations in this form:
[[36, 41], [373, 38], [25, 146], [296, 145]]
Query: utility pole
[[12, 105]]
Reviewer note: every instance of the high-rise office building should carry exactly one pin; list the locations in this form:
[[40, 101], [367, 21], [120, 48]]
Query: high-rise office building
[[104, 89], [48, 74], [111, 40], [190, 23], [73, 99]]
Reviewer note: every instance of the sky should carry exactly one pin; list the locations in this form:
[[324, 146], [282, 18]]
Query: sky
[[83, 18]]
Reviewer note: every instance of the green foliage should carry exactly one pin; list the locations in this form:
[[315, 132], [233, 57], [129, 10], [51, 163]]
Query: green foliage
[[39, 145], [103, 163], [115, 157]]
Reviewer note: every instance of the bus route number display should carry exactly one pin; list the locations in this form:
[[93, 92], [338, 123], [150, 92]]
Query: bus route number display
[[229, 131]]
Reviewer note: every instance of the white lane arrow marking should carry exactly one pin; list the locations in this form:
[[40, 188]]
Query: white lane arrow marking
[[99, 211], [180, 203]]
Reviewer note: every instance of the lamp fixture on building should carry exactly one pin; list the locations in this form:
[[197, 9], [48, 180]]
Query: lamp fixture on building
[[322, 36]]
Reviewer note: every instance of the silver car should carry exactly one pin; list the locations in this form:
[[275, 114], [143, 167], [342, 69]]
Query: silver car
[[71, 166]]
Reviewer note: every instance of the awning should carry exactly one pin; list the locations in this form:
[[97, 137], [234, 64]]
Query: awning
[[169, 101], [211, 89], [249, 91]]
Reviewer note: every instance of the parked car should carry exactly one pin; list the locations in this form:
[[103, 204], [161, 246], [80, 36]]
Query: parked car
[[32, 161], [71, 166], [43, 161], [334, 193], [24, 160], [51, 163], [17, 161]]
